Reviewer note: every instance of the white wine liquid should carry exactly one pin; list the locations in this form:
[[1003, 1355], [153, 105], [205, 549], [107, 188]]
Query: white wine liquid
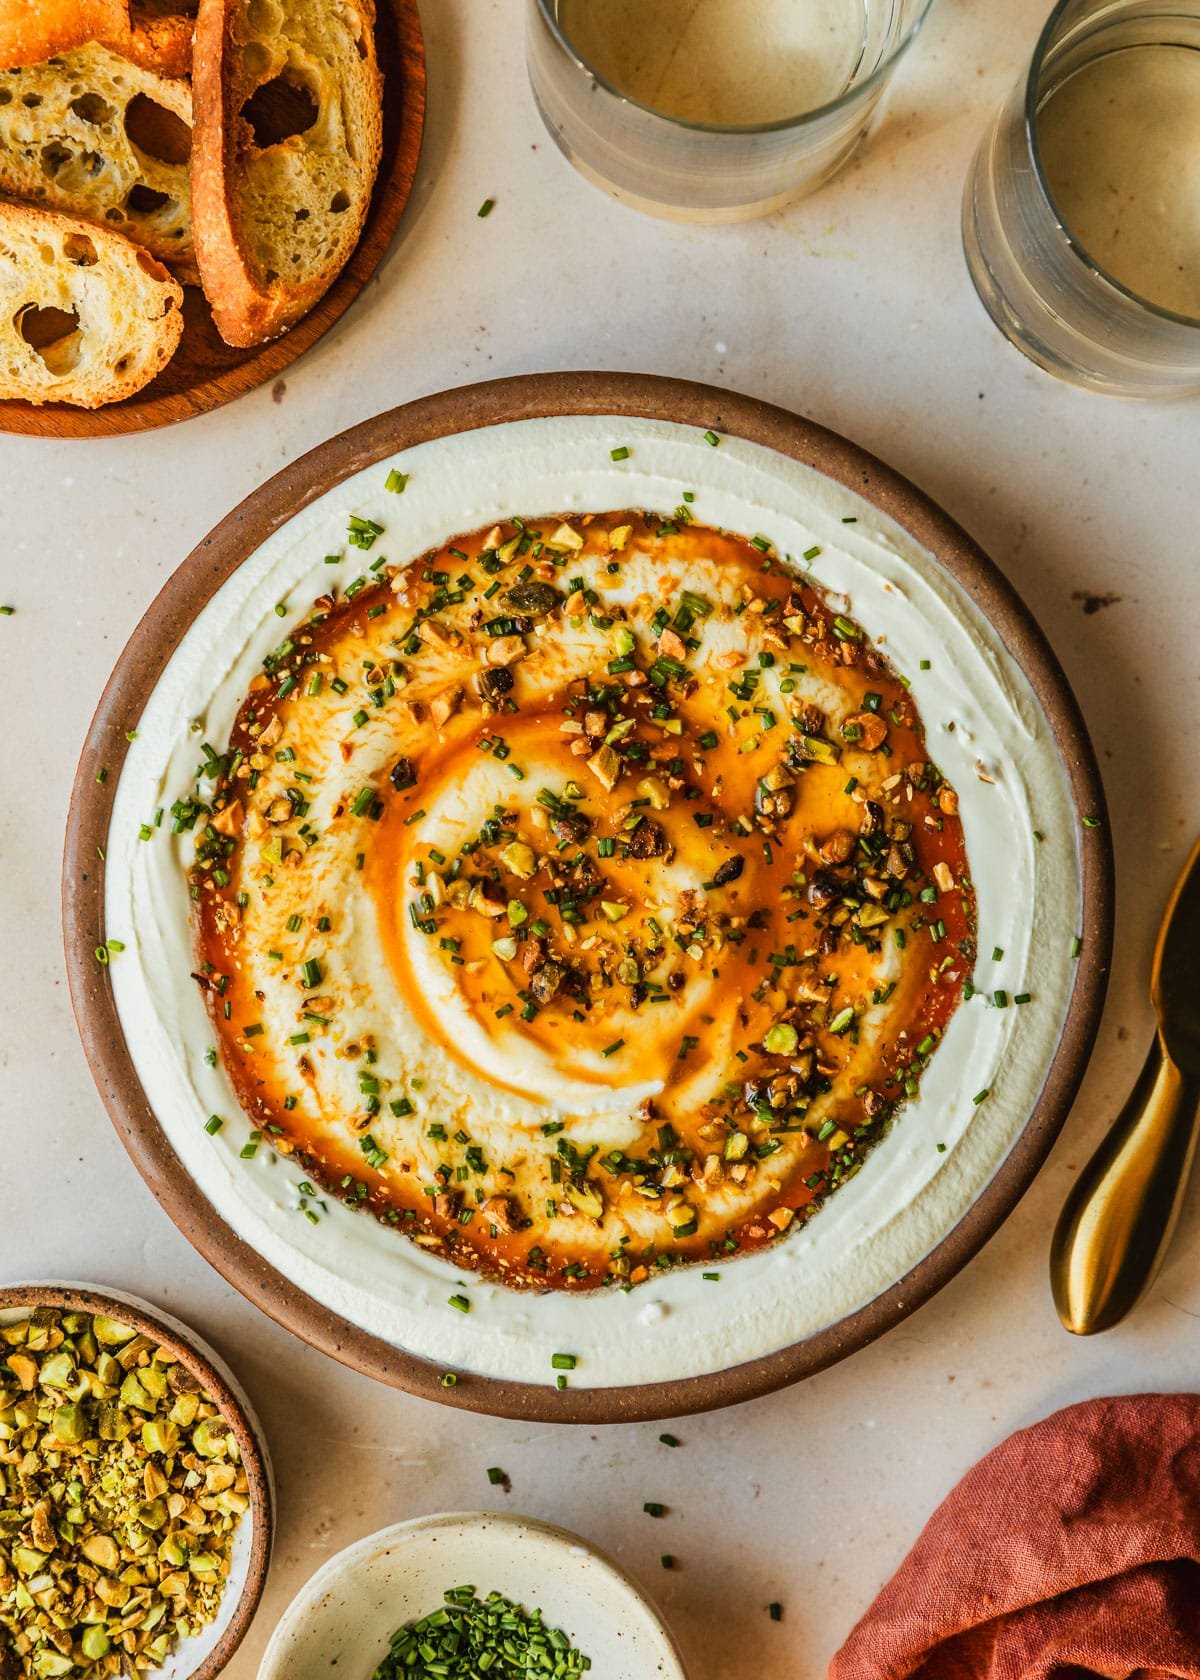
[[1120, 145], [726, 62]]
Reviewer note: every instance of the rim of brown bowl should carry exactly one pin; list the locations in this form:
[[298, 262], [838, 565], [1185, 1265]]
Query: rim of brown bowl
[[206, 1366], [538, 396]]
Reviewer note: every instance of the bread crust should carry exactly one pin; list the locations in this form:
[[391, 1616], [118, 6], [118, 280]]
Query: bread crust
[[129, 310], [33, 30], [250, 304]]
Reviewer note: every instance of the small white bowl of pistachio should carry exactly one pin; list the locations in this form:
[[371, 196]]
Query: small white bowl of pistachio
[[136, 1500]]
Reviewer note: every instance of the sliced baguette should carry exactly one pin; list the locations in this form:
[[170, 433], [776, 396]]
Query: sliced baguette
[[90, 134], [33, 30], [86, 317], [288, 102]]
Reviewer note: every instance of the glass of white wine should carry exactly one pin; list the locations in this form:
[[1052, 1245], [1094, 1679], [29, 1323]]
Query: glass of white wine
[[713, 110], [1081, 221]]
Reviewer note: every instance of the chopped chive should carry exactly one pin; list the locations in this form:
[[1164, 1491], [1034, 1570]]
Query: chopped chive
[[459, 1303], [213, 1124], [652, 1508], [711, 439], [563, 1361], [621, 453], [396, 482], [486, 208], [981, 1096]]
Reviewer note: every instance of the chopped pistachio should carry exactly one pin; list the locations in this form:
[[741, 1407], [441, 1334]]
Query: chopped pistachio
[[519, 858], [782, 1039], [605, 765]]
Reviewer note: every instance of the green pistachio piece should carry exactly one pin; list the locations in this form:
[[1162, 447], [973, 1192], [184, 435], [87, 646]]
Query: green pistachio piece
[[160, 1435], [94, 1644], [208, 1437], [111, 1332], [48, 1664], [70, 1424], [781, 1040], [58, 1371], [133, 1394]]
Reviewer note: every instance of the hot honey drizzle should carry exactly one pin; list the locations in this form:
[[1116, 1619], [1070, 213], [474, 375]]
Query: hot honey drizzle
[[580, 899]]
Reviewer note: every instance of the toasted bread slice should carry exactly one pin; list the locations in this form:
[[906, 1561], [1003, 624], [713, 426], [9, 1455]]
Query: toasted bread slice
[[86, 317], [288, 102], [33, 30], [160, 36], [90, 134]]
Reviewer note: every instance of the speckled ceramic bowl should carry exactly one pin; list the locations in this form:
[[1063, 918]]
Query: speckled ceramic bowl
[[207, 1654], [341, 1620]]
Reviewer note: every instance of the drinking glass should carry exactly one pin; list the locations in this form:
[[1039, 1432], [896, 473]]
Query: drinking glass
[[713, 110], [1070, 165]]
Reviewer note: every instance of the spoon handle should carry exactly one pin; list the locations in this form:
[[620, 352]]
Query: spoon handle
[[1114, 1230]]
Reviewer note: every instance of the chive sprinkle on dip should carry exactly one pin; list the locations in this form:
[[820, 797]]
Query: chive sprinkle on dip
[[470, 1638]]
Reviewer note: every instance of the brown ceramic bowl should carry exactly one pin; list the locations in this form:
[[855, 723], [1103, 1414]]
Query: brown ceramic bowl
[[205, 1656], [235, 539]]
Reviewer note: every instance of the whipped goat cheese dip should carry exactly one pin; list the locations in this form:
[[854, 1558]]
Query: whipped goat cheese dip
[[984, 729]]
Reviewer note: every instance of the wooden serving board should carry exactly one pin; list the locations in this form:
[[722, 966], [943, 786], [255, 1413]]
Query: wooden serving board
[[205, 372]]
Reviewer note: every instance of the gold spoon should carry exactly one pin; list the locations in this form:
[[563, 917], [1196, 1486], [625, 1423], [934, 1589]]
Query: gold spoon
[[1114, 1231]]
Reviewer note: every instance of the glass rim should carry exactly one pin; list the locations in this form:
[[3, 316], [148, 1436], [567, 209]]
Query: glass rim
[[1045, 42], [779, 124]]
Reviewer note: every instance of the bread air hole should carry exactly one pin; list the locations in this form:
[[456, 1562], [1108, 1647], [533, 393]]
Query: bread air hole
[[78, 249], [144, 200], [54, 156], [339, 202], [91, 108], [279, 109], [157, 132], [52, 334]]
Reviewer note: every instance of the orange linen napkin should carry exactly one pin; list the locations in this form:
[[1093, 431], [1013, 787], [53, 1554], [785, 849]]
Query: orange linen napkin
[[1071, 1551]]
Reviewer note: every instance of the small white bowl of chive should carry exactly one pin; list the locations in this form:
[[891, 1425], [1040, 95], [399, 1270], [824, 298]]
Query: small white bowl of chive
[[458, 1595]]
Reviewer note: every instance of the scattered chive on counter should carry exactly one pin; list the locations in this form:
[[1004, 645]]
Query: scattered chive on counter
[[124, 1487], [470, 1637]]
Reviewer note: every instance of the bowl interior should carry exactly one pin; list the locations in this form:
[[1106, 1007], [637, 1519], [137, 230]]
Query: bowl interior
[[342, 1619], [205, 1654]]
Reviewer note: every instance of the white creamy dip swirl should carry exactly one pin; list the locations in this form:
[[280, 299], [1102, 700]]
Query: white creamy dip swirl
[[980, 715]]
